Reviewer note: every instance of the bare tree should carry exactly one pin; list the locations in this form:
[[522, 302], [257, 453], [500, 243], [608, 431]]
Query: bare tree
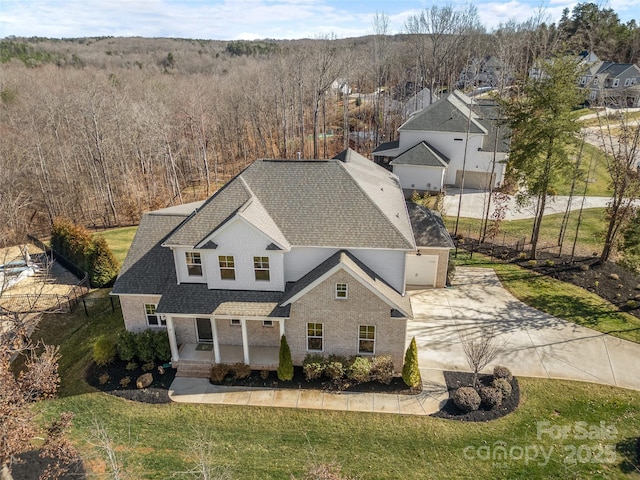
[[623, 166], [480, 350]]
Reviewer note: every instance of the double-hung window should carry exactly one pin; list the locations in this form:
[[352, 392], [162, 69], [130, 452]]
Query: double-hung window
[[367, 339], [227, 267], [261, 268], [341, 291], [314, 337], [153, 319], [194, 264]]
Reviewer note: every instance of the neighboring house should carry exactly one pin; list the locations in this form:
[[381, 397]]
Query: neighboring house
[[485, 72], [608, 83], [442, 140], [615, 84], [417, 102], [318, 250]]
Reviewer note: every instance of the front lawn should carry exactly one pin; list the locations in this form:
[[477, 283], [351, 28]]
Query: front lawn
[[154, 441]]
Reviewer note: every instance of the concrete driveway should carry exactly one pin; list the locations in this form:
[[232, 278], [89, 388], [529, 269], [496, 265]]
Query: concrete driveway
[[537, 344]]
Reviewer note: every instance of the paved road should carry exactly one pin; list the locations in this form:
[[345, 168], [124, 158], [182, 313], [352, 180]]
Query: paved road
[[474, 202], [538, 345]]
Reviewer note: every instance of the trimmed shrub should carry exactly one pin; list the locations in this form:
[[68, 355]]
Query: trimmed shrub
[[240, 370], [149, 366], [104, 378], [467, 399], [145, 346], [502, 372], [218, 372], [285, 364], [161, 347], [504, 386], [126, 345], [102, 264], [334, 370], [131, 366], [124, 382], [382, 369], [264, 374], [313, 366], [410, 369], [104, 351], [490, 397], [360, 370]]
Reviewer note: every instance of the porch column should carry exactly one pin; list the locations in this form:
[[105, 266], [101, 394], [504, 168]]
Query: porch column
[[281, 322], [172, 340], [245, 340], [216, 347]]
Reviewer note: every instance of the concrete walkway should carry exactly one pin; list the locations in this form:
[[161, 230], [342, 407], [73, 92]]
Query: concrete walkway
[[199, 390], [537, 344]]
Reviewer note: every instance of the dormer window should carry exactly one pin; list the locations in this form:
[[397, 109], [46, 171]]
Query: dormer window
[[194, 264], [616, 82], [627, 82], [341, 291]]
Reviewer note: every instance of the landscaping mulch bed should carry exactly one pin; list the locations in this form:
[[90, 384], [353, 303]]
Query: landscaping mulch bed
[[454, 380], [397, 385], [608, 280], [157, 392]]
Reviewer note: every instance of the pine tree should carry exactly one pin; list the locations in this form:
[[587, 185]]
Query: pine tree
[[543, 127], [410, 369], [285, 366]]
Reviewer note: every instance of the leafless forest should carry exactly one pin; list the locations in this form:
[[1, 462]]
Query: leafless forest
[[103, 129]]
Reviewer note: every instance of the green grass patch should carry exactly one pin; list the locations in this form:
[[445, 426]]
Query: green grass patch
[[119, 240], [598, 178], [152, 442], [561, 299], [592, 228]]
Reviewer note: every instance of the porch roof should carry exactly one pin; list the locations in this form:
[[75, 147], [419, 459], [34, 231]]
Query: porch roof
[[197, 299]]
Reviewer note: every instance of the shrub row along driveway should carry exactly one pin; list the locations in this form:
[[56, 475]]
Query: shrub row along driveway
[[537, 344]]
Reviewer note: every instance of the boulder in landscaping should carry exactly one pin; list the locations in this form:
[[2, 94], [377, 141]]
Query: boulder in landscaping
[[144, 380]]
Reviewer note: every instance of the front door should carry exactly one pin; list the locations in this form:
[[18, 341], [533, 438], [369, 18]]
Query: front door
[[203, 326]]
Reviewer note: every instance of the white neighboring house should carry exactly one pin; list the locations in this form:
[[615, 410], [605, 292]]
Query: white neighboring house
[[438, 142], [318, 250]]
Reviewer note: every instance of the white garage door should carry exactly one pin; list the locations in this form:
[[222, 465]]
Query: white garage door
[[421, 270]]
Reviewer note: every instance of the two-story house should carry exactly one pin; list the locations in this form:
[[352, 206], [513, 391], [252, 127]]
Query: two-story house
[[317, 250], [442, 140]]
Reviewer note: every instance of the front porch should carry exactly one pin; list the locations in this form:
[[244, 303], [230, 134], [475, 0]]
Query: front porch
[[196, 359]]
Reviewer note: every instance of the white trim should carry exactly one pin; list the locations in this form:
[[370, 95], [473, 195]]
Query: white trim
[[267, 326], [201, 264], [346, 291], [281, 322], [342, 266], [231, 320], [220, 268], [238, 218]]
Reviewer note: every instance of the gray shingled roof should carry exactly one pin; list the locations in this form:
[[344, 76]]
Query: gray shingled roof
[[351, 204], [387, 146], [149, 266], [428, 227], [422, 154], [449, 114], [490, 118], [197, 299], [358, 268]]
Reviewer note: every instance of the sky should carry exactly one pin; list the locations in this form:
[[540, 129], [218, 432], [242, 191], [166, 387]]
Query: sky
[[248, 19]]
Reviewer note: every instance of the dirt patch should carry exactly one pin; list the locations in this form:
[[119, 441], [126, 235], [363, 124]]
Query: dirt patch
[[108, 379], [455, 380], [31, 465], [270, 380]]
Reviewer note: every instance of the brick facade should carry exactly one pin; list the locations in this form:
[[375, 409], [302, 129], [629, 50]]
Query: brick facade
[[341, 319]]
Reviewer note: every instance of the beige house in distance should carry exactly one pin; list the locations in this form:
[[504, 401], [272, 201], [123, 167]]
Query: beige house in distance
[[318, 250]]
